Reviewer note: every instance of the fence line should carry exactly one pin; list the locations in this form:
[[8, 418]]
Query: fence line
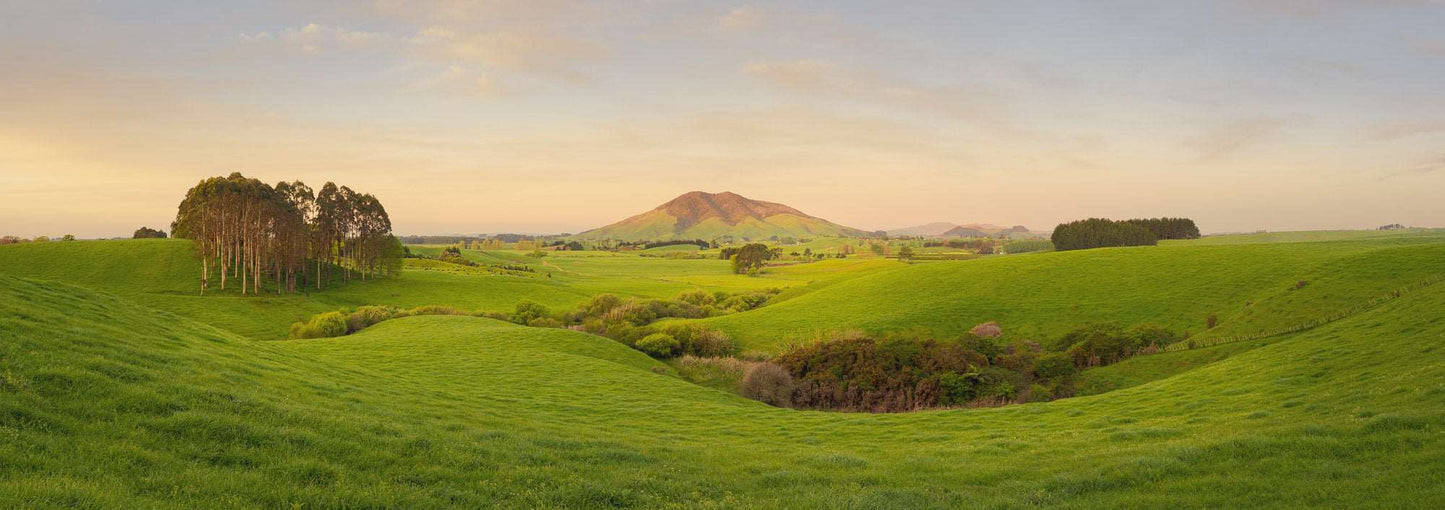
[[1389, 296]]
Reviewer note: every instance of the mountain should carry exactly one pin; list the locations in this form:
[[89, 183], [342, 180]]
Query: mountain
[[946, 229], [699, 215], [962, 231], [926, 230]]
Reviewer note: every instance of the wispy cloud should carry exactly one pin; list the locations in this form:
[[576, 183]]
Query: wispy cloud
[[486, 42], [315, 38], [1405, 129], [1235, 136]]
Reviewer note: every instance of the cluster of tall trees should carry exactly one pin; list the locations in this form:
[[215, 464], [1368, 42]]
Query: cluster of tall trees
[[251, 232], [1169, 228], [1101, 232]]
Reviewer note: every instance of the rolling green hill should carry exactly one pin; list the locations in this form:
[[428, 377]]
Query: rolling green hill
[[1249, 287], [105, 403], [699, 215]]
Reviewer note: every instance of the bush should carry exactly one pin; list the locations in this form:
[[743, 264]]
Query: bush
[[987, 330], [367, 316], [768, 383], [698, 340], [659, 345], [1055, 366], [528, 312], [326, 325]]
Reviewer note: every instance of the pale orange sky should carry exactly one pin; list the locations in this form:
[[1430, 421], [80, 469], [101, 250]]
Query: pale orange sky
[[554, 116]]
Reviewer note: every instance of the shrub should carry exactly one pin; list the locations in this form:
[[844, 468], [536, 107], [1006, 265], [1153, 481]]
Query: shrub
[[326, 325], [1055, 366], [1039, 393], [659, 345], [1211, 321], [768, 383], [698, 340], [529, 311], [987, 330], [367, 316]]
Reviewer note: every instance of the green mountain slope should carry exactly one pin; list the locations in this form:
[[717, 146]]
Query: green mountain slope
[[1249, 287], [105, 403], [699, 215]]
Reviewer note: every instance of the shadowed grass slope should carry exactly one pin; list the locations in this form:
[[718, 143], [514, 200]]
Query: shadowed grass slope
[[105, 403]]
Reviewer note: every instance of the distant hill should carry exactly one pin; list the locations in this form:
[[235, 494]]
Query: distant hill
[[699, 215], [946, 229], [925, 230], [961, 231]]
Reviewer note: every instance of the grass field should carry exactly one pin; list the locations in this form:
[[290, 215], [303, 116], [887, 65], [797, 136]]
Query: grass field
[[107, 403], [1250, 287], [120, 388]]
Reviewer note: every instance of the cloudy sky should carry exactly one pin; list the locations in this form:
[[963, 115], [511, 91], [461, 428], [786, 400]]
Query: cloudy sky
[[553, 116]]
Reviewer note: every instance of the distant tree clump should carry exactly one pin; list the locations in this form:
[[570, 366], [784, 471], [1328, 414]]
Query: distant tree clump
[[751, 257], [1100, 233], [148, 233], [250, 231], [1169, 228]]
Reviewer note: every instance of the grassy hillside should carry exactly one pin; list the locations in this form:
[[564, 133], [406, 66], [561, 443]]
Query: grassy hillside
[[1250, 287], [162, 273], [105, 403]]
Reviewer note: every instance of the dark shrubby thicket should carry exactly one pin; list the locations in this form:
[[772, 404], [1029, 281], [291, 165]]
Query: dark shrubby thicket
[[1100, 233], [906, 373]]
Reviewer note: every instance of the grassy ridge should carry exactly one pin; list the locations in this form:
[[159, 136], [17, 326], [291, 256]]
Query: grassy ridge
[[1250, 287], [105, 403]]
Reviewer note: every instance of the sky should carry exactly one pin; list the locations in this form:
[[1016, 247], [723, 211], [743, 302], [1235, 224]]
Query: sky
[[550, 116]]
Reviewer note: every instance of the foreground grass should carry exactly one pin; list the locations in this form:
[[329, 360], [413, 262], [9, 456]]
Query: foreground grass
[[106, 403]]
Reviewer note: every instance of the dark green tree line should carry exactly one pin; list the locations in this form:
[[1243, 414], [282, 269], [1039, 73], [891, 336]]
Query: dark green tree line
[[1100, 233]]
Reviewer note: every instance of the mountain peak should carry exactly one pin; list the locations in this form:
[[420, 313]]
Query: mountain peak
[[696, 206], [703, 215]]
